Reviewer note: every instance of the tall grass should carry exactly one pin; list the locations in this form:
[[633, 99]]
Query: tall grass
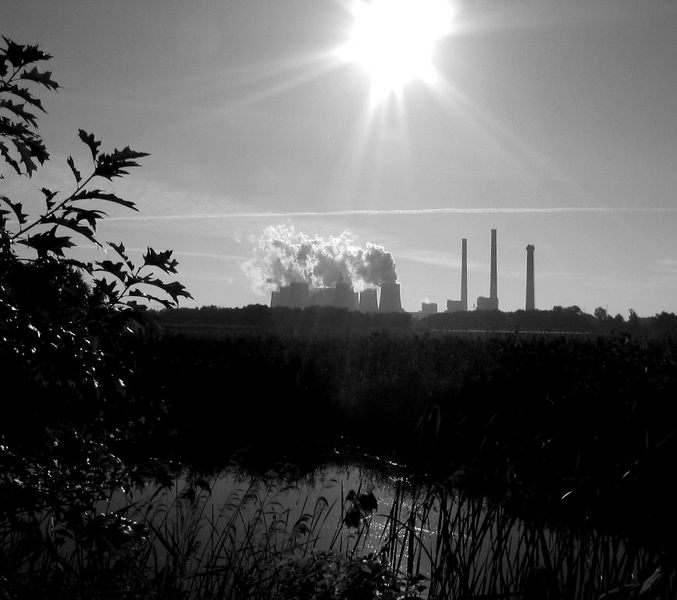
[[469, 547], [253, 539]]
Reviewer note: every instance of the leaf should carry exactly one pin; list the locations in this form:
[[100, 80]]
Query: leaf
[[19, 110], [84, 214], [88, 138], [162, 260], [46, 242], [120, 249], [139, 294], [34, 147], [41, 77], [101, 195], [117, 269], [16, 209], [651, 583], [114, 164], [25, 95], [75, 226], [49, 197], [175, 290], [20, 55], [4, 151], [76, 173], [105, 289], [26, 156]]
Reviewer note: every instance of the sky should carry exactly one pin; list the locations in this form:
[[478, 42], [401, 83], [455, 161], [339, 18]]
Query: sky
[[552, 122]]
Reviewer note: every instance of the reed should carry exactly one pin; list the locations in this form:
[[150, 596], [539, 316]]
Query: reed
[[254, 539]]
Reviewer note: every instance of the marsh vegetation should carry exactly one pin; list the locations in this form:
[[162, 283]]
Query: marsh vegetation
[[509, 465]]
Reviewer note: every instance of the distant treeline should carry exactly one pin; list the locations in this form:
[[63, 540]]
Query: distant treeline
[[560, 319], [259, 316]]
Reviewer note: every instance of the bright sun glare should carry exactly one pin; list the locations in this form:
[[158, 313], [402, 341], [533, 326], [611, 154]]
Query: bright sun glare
[[393, 40]]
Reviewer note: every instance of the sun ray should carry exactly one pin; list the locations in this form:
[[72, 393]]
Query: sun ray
[[504, 142], [394, 40]]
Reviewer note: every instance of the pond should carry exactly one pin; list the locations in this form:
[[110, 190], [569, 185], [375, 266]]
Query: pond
[[236, 536]]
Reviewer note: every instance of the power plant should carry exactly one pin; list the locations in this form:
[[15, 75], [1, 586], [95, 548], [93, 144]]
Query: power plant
[[342, 295], [300, 294]]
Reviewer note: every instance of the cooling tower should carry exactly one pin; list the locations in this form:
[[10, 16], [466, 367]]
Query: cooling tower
[[298, 294], [274, 298], [493, 292], [344, 296], [369, 300], [390, 298], [531, 303], [464, 274], [322, 297], [284, 299]]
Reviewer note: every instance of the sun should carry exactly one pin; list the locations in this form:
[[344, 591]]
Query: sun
[[394, 40]]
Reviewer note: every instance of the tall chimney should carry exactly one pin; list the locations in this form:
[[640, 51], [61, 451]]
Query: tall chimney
[[530, 304], [464, 273], [390, 298], [493, 294]]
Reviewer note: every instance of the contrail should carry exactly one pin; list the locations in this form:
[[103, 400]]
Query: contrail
[[403, 211]]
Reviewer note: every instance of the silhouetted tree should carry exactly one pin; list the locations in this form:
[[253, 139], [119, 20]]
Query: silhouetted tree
[[61, 318], [66, 215]]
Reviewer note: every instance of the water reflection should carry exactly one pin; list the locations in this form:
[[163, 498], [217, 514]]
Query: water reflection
[[229, 533]]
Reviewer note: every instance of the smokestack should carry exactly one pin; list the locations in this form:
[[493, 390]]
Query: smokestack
[[390, 298], [530, 304], [493, 293], [464, 273], [369, 300]]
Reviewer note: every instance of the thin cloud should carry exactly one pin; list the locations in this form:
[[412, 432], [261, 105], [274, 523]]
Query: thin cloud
[[401, 212]]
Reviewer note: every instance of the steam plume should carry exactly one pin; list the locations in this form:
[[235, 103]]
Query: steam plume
[[283, 256]]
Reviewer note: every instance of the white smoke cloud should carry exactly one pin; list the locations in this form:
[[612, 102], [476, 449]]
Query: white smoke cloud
[[282, 255]]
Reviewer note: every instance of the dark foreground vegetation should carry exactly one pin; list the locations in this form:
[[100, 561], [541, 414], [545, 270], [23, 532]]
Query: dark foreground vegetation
[[568, 433]]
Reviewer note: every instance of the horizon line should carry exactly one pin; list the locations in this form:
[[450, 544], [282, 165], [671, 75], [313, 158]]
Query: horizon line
[[403, 211]]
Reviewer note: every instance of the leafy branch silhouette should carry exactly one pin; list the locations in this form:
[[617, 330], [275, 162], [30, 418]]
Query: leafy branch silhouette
[[117, 284]]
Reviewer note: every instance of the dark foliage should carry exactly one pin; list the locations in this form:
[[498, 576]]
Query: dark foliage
[[579, 426], [65, 328]]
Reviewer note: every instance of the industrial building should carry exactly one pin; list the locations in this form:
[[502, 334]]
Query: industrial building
[[342, 295], [429, 308]]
